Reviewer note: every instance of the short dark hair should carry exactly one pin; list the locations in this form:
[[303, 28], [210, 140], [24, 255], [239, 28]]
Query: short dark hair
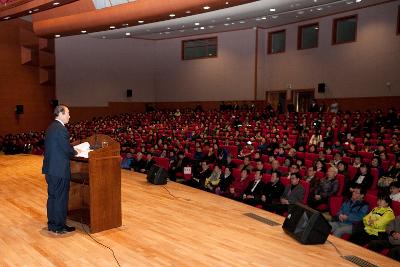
[[59, 109], [395, 184], [386, 198]]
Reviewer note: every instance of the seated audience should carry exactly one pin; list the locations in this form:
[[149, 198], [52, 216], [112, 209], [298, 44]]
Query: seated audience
[[327, 187], [293, 193], [391, 241], [225, 182], [374, 224], [252, 194], [351, 213], [212, 182], [363, 178], [395, 191], [139, 163], [246, 164], [237, 188], [273, 190], [127, 162]]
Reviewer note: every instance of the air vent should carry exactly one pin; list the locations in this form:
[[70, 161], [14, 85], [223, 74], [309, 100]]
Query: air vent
[[358, 261], [261, 219]]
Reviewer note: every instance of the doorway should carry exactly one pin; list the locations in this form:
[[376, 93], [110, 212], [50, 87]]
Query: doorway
[[302, 99], [277, 98]]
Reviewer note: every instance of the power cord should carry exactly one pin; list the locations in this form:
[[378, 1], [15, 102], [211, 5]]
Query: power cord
[[187, 199], [337, 250], [84, 229]]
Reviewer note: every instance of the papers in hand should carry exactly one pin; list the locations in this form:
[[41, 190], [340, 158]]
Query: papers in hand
[[83, 150]]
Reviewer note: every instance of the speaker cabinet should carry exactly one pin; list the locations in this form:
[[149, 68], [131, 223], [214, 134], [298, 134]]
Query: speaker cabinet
[[54, 103], [157, 175], [306, 225], [321, 88], [129, 93], [19, 109]]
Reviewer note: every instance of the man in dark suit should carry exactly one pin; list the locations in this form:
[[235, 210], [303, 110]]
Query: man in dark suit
[[56, 168]]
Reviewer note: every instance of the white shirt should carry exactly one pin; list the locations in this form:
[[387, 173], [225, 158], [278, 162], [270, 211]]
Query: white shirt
[[255, 185], [395, 197]]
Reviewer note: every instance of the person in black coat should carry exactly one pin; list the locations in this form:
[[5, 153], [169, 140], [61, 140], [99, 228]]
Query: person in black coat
[[148, 163], [363, 179], [56, 168], [225, 182], [273, 190], [252, 194]]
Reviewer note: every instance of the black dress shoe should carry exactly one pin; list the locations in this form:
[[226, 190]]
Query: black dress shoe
[[68, 228], [58, 232]]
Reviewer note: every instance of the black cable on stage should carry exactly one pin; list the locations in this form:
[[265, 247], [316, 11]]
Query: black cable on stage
[[84, 229], [337, 250]]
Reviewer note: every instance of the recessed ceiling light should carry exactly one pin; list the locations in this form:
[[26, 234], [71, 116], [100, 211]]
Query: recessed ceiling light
[[83, 31], [7, 18], [103, 37], [319, 9], [226, 3], [30, 11], [188, 11], [272, 9], [242, 21], [56, 3], [125, 24], [358, 1], [112, 27], [57, 35], [316, 28], [258, 19], [202, 28], [226, 24], [206, 7], [128, 34], [233, 23], [228, 18], [167, 32], [197, 23], [140, 21], [349, 2], [172, 15], [168, 28], [315, 1], [264, 17]]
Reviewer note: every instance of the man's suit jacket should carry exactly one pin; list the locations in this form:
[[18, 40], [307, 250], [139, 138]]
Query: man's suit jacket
[[258, 191], [57, 151], [295, 195]]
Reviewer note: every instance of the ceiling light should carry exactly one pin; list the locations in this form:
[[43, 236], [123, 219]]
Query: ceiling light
[[358, 1], [57, 35], [227, 3], [103, 37], [30, 11], [300, 12], [233, 23], [272, 9], [83, 31], [112, 27], [226, 24], [274, 16], [258, 19], [168, 28], [181, 30], [188, 12], [167, 32], [125, 24], [206, 7], [228, 18], [128, 34], [316, 28], [140, 21], [202, 28], [172, 15], [7, 18], [319, 9], [315, 1], [264, 18], [56, 3], [36, 9], [241, 22], [211, 27], [197, 24], [349, 2]]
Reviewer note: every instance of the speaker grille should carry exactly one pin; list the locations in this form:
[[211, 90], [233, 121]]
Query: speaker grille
[[358, 261], [261, 219]]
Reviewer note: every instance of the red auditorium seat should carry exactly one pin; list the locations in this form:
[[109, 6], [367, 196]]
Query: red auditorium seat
[[335, 202], [163, 162], [396, 207]]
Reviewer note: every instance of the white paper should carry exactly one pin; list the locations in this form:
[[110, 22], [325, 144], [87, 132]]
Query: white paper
[[84, 149]]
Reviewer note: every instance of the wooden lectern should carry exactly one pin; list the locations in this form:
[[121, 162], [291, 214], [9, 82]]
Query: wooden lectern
[[95, 192]]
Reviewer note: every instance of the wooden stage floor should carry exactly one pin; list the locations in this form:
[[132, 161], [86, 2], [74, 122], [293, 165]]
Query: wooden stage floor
[[195, 229]]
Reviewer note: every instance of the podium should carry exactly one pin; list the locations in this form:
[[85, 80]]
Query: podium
[[95, 188]]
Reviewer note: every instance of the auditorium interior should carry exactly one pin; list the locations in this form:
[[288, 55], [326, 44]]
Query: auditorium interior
[[223, 132]]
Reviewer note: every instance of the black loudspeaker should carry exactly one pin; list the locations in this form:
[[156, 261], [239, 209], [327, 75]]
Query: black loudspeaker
[[321, 88], [129, 93], [306, 225], [19, 109], [157, 175], [54, 103]]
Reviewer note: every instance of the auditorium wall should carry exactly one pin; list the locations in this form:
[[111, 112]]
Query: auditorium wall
[[368, 67], [20, 84], [93, 72]]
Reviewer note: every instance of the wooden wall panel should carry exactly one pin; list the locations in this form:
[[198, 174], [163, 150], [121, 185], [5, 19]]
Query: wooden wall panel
[[19, 84]]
